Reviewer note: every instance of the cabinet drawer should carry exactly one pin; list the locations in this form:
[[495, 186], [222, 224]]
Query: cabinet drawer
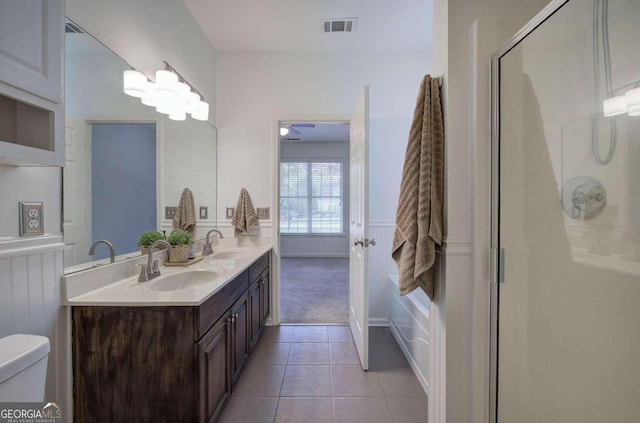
[[212, 309], [258, 267]]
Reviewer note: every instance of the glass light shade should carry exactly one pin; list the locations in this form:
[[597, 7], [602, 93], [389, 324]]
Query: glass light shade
[[150, 98], [178, 115], [615, 106], [192, 99], [134, 83], [284, 131], [166, 80], [633, 99], [183, 91], [165, 108], [634, 111], [200, 111]]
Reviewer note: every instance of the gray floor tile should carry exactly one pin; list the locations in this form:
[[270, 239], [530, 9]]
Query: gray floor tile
[[401, 382], [352, 381], [307, 381], [309, 353], [282, 333], [344, 353], [310, 334], [408, 410], [249, 409], [340, 334], [271, 352], [304, 410], [260, 380], [361, 410]]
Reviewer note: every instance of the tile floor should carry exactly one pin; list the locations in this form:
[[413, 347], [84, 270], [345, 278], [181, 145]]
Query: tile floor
[[311, 374]]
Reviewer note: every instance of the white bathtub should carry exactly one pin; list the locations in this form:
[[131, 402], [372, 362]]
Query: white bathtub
[[409, 323]]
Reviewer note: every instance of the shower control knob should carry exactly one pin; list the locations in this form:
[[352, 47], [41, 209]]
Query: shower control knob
[[358, 242]]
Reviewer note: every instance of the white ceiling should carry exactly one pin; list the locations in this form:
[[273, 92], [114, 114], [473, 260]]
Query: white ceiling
[[297, 25], [321, 132]]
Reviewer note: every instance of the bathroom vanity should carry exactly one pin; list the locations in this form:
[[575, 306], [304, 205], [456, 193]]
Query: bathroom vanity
[[176, 354]]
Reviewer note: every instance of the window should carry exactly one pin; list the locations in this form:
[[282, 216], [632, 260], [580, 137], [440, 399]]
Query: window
[[311, 197]]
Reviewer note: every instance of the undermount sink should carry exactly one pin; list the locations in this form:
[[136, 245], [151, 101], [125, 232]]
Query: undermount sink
[[183, 280], [233, 254]]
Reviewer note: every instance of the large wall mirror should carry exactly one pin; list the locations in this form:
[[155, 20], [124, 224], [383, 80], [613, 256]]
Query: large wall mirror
[[125, 162]]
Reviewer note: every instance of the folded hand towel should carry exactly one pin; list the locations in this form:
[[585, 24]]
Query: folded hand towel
[[185, 217], [419, 213], [244, 215]]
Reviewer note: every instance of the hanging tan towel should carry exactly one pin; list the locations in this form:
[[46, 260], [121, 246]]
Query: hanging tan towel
[[419, 214], [244, 215], [185, 217]]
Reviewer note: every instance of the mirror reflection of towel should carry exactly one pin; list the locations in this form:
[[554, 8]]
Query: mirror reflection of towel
[[244, 215], [185, 217]]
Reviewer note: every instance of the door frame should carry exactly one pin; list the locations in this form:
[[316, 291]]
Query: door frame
[[274, 318], [496, 260]]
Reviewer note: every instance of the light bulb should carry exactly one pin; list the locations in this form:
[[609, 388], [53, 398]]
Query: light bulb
[[284, 131]]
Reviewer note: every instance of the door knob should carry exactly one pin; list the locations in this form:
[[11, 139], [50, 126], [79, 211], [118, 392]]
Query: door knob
[[368, 242], [358, 242]]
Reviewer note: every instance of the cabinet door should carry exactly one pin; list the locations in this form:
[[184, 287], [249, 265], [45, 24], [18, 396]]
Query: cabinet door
[[214, 369], [31, 46], [265, 296], [240, 331], [255, 307]]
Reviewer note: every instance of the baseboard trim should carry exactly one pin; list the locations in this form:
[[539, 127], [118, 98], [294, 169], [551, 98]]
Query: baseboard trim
[[379, 322]]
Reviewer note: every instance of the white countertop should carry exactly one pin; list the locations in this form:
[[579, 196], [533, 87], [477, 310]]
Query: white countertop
[[114, 285]]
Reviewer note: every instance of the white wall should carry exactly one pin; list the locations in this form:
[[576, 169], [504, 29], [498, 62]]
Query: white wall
[[324, 245], [257, 89], [461, 311]]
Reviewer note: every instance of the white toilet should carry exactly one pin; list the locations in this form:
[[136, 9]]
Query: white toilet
[[23, 368]]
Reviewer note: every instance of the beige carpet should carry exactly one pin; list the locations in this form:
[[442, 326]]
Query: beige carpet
[[314, 290]]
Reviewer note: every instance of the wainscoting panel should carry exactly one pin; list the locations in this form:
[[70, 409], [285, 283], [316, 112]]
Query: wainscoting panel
[[409, 323], [30, 271]]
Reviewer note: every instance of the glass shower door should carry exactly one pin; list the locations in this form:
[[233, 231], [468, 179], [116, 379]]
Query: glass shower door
[[568, 216]]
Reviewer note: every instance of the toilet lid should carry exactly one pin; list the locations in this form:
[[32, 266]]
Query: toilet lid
[[17, 352]]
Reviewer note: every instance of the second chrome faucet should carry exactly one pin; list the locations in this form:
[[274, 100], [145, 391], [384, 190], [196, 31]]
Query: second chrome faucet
[[152, 269]]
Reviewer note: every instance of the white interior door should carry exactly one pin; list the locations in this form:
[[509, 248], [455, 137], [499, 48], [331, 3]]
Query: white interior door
[[77, 192], [359, 229]]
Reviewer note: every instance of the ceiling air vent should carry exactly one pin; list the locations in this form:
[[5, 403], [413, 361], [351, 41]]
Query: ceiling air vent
[[340, 25], [71, 28]]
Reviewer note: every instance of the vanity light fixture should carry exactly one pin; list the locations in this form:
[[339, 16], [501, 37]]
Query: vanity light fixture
[[170, 94], [628, 103]]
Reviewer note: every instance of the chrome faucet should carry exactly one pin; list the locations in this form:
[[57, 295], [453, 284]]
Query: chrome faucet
[[208, 249], [112, 251], [152, 270]]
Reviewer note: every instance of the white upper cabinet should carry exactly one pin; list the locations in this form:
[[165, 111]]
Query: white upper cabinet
[[31, 82], [31, 46]]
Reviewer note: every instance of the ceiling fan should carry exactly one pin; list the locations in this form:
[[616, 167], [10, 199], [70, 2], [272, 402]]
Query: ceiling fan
[[287, 128]]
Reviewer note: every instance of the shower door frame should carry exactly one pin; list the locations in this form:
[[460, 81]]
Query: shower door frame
[[497, 258]]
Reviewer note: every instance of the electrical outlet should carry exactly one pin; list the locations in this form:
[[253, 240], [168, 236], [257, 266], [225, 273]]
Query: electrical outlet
[[263, 212], [170, 212], [31, 222]]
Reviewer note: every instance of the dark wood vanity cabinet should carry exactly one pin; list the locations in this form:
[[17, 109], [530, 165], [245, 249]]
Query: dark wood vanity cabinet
[[214, 369], [167, 363], [240, 334]]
